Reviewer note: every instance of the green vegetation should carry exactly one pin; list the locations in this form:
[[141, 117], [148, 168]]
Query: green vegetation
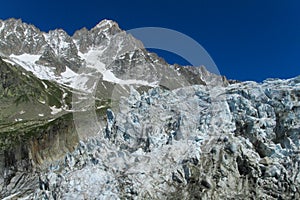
[[25, 97], [26, 104]]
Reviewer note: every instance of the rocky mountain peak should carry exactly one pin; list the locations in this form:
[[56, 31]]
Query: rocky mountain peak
[[97, 36], [60, 42], [107, 24], [12, 22], [17, 37], [104, 47]]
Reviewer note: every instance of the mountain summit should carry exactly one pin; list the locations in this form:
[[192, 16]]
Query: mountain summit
[[105, 48], [97, 116]]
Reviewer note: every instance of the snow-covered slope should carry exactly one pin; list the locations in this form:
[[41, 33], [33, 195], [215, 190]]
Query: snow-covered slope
[[104, 53]]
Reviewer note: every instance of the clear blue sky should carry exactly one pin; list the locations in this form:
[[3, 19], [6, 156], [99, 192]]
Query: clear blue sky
[[248, 40]]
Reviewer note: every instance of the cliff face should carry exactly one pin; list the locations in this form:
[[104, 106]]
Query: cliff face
[[22, 160], [53, 140], [31, 134]]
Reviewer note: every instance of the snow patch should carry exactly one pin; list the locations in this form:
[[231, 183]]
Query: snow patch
[[2, 26], [110, 77], [8, 61], [104, 23], [27, 61], [29, 58], [81, 81], [100, 107], [55, 110], [65, 95], [42, 102], [103, 85], [51, 120], [45, 85], [93, 61], [22, 112], [68, 73]]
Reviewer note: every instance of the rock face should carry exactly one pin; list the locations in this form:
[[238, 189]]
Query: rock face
[[181, 133], [31, 136], [105, 48], [21, 162], [60, 51], [157, 147], [18, 38], [56, 48]]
